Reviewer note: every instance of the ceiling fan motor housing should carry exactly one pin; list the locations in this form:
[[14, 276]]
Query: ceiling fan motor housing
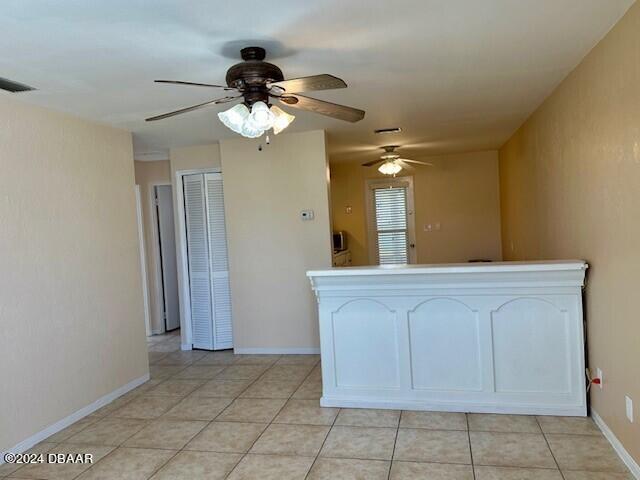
[[252, 75]]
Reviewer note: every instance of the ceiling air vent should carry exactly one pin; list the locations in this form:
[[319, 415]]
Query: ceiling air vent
[[14, 87], [388, 130]]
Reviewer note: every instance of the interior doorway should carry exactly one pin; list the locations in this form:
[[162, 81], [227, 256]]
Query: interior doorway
[[390, 221], [166, 247]]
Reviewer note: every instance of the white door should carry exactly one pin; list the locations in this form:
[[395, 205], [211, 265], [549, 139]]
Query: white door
[[390, 219], [218, 262], [169, 266], [207, 260]]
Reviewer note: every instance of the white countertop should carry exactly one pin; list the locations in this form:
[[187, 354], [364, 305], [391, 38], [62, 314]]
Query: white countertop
[[480, 267]]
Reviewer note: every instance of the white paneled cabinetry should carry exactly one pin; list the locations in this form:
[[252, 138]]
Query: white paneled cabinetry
[[494, 337]]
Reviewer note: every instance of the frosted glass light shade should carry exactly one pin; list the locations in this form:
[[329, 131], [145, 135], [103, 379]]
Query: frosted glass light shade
[[235, 117], [389, 168], [249, 130], [261, 117], [282, 119]]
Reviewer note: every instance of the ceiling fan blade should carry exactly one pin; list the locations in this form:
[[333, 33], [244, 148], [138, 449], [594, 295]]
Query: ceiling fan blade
[[417, 162], [405, 165], [308, 84], [193, 84], [341, 112], [372, 163], [192, 108]]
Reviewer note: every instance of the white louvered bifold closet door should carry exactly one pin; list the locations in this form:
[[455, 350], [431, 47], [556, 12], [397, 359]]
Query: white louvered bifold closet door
[[218, 263], [207, 260], [198, 255]]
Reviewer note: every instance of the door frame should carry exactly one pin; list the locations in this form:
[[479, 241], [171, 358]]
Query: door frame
[[184, 294], [370, 184], [158, 286], [143, 261]]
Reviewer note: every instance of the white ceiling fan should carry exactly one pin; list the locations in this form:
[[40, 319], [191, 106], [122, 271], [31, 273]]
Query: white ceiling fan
[[391, 163]]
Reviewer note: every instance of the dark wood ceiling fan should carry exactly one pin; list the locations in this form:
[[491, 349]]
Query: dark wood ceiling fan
[[255, 80], [390, 162]]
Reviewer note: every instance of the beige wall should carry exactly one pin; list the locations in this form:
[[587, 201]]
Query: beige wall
[[149, 174], [270, 247], [193, 158], [70, 290], [460, 192], [570, 181]]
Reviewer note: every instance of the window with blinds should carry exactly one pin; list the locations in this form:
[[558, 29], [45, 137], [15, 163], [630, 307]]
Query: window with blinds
[[391, 225]]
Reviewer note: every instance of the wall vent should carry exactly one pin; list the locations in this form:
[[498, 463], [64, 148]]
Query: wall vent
[[388, 130], [14, 87]]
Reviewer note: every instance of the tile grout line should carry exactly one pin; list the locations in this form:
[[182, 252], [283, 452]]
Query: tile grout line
[[549, 446], [323, 441], [395, 441], [473, 465]]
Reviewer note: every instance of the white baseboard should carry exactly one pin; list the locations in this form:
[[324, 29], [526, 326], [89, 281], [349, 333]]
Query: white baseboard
[[26, 444], [278, 351], [617, 446], [186, 346]]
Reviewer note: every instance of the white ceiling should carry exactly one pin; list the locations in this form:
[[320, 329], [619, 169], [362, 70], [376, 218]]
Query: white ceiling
[[456, 75]]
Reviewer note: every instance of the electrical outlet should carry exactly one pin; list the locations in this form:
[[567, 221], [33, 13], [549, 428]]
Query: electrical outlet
[[629, 407], [599, 375]]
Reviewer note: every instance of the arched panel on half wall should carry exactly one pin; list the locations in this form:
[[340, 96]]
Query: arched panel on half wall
[[542, 350], [445, 346], [355, 352]]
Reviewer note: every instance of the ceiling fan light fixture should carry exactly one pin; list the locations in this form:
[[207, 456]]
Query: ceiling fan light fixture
[[235, 117], [390, 168], [282, 119], [254, 123]]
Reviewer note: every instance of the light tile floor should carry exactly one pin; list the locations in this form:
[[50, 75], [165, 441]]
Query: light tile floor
[[216, 415]]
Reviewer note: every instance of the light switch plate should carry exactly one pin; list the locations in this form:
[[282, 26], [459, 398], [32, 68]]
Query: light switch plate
[[306, 215], [599, 375], [629, 407]]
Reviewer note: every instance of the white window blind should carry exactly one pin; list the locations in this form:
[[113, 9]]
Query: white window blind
[[391, 224]]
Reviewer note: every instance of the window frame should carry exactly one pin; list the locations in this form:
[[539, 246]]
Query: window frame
[[372, 233]]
